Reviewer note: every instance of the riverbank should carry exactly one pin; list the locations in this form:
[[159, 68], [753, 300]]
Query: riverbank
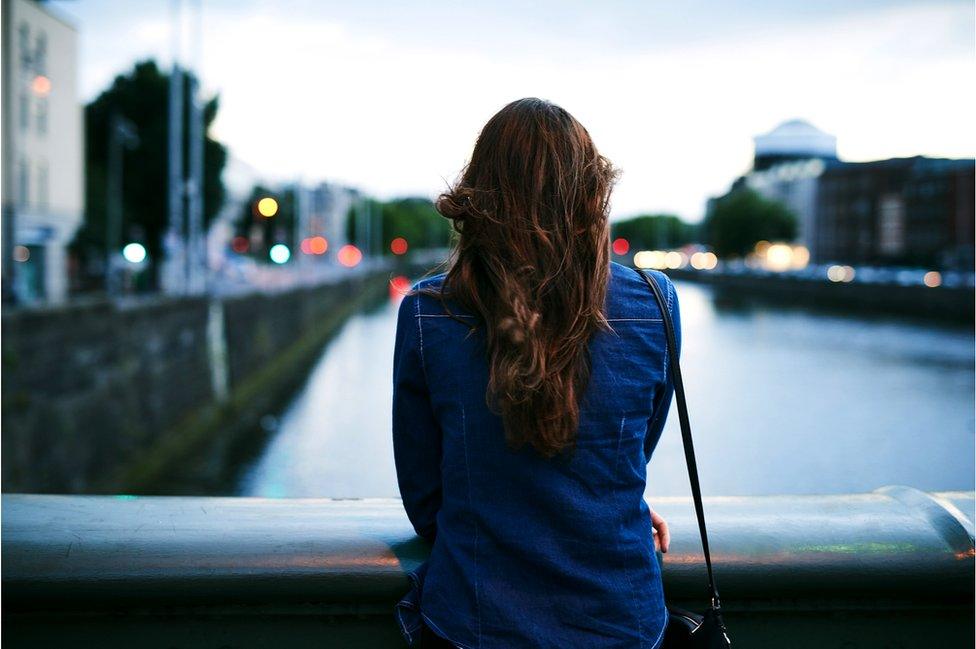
[[941, 303], [158, 396]]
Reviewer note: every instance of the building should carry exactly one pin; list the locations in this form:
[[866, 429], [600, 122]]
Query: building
[[328, 208], [42, 151], [791, 141], [788, 161], [903, 211]]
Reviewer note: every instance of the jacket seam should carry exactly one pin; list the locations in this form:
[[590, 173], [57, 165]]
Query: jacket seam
[[467, 470], [420, 334], [403, 626], [436, 628], [664, 627], [635, 320], [630, 579]]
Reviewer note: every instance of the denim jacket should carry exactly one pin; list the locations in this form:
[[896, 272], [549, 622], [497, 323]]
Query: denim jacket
[[528, 551]]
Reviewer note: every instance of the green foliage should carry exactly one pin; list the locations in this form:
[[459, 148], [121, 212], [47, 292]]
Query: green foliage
[[741, 218], [654, 232], [414, 219], [142, 97]]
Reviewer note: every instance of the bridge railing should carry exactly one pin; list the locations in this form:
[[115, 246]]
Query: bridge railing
[[893, 568]]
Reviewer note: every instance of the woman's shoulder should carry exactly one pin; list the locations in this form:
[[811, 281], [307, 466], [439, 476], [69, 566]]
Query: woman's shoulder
[[628, 295], [425, 298], [630, 298]]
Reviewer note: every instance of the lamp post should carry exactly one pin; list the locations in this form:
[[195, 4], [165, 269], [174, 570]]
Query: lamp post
[[122, 135]]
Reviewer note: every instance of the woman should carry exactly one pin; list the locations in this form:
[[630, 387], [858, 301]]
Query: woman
[[530, 391]]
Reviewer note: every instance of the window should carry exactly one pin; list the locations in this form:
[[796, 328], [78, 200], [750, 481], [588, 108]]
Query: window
[[24, 111], [891, 225], [40, 54], [42, 116], [25, 48], [23, 189], [42, 186]]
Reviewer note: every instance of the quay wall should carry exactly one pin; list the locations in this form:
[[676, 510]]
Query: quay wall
[[949, 304], [156, 395]]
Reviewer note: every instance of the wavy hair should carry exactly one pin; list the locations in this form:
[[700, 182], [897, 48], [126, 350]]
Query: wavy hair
[[531, 260]]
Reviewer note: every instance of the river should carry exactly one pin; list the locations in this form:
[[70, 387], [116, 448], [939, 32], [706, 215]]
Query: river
[[782, 401]]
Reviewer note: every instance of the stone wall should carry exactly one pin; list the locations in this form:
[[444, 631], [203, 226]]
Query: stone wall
[[154, 396]]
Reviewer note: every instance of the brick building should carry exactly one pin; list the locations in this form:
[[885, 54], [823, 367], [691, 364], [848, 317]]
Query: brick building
[[902, 211]]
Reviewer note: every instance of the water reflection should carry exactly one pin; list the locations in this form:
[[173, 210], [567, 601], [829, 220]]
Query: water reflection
[[782, 401]]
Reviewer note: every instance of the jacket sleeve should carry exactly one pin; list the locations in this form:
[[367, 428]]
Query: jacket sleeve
[[416, 433], [662, 400]]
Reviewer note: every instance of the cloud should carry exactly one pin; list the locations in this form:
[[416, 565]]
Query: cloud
[[392, 99]]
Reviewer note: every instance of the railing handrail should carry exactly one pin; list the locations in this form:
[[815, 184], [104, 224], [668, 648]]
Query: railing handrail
[[896, 542]]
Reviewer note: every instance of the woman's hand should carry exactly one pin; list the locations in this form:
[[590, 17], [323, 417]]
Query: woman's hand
[[662, 537]]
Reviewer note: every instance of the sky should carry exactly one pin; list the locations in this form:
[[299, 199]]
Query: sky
[[389, 96]]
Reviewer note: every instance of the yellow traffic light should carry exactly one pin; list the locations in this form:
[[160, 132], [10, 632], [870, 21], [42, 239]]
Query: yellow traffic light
[[267, 207]]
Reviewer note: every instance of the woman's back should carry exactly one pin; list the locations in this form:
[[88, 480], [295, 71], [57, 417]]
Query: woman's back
[[529, 550]]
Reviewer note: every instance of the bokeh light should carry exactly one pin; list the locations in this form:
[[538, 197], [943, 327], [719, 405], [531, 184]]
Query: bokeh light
[[399, 286], [240, 245], [779, 257], [279, 253], [21, 253], [704, 261], [318, 245], [932, 279], [349, 255], [621, 246], [41, 86], [837, 273], [655, 259], [267, 207], [675, 259], [134, 253], [398, 246]]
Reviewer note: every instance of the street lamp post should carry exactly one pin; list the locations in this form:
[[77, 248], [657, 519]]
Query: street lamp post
[[122, 135]]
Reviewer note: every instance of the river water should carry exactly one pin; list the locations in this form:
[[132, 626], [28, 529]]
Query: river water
[[782, 401]]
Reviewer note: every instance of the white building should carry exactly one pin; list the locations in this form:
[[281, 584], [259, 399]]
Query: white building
[[788, 162], [793, 184], [328, 208], [795, 139], [43, 173]]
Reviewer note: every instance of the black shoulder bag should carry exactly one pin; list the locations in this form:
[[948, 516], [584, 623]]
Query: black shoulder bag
[[687, 629]]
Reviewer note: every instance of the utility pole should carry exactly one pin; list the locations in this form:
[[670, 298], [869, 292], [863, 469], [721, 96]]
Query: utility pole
[[10, 194], [361, 223], [121, 135], [195, 262], [302, 230], [184, 244], [197, 267], [173, 245], [368, 237], [377, 230]]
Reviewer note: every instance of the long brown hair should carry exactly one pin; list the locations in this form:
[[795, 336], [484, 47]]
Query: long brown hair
[[532, 261]]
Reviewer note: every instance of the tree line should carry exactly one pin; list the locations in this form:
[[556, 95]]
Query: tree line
[[734, 223]]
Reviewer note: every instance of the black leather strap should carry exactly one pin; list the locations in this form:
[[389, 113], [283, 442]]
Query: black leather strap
[[679, 393]]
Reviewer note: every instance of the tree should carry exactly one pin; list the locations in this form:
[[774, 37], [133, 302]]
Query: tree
[[414, 219], [654, 231], [743, 217], [141, 97]]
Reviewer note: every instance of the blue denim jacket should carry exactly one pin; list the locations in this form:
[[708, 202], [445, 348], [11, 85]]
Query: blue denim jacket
[[528, 551]]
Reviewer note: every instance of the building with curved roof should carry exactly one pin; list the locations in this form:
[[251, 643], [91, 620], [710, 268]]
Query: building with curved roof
[[795, 139]]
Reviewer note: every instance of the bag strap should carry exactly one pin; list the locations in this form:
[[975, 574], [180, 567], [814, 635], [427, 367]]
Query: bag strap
[[679, 393]]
